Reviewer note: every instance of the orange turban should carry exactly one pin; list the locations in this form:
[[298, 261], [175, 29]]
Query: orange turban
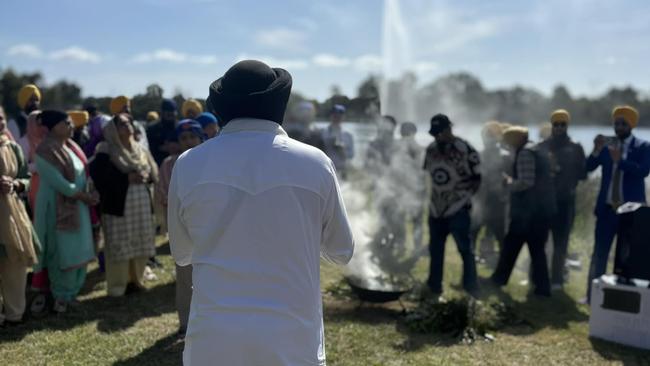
[[515, 136], [191, 105], [79, 118], [560, 115], [629, 114], [118, 104], [152, 116], [26, 93]]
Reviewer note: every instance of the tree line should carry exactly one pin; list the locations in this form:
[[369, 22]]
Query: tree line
[[461, 95]]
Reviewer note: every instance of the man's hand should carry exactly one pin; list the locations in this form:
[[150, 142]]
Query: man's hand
[[599, 143], [615, 153], [507, 180], [7, 185]]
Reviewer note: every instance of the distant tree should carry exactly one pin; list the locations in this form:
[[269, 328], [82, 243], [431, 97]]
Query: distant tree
[[61, 95], [151, 100], [369, 88]]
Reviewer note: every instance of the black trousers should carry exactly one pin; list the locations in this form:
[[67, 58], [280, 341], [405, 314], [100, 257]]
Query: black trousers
[[458, 226], [561, 225], [534, 232]]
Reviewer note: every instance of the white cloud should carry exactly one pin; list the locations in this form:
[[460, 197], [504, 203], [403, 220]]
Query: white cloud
[[26, 50], [289, 64], [424, 67], [169, 55], [328, 60], [75, 53], [283, 39], [368, 63], [444, 28]]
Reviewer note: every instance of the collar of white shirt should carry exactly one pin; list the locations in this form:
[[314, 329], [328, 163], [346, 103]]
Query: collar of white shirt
[[252, 125]]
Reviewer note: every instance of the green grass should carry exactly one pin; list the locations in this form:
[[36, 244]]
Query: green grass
[[139, 329]]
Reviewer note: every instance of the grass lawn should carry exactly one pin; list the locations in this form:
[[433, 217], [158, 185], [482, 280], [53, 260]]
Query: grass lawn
[[140, 329]]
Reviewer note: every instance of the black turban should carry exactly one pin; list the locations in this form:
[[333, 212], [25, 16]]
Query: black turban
[[250, 89], [51, 118]]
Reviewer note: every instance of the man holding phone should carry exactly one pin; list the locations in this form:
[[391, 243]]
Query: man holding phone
[[625, 163]]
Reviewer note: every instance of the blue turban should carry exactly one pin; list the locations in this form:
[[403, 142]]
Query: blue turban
[[190, 125], [168, 105], [206, 118]]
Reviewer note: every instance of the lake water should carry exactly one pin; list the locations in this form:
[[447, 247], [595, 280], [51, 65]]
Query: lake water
[[365, 132]]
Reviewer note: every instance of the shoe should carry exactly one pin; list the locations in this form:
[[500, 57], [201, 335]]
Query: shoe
[[557, 287], [575, 264], [11, 323], [583, 301], [60, 306], [427, 294], [132, 288], [542, 293]]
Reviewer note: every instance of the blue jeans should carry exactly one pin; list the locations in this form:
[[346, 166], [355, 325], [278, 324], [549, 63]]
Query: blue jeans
[[458, 225], [606, 230]]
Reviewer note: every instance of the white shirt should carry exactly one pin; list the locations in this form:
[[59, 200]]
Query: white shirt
[[253, 210]]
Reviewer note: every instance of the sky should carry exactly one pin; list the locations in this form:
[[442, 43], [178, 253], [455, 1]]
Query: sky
[[120, 47]]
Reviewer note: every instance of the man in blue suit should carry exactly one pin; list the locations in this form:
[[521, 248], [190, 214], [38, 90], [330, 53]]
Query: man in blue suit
[[625, 162]]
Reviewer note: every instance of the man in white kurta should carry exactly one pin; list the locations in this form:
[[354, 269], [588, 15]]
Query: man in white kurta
[[253, 211]]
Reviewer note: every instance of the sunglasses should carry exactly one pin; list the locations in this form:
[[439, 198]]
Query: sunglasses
[[560, 124]]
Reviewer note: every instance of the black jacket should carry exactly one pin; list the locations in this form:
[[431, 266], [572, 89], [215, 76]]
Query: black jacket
[[111, 184]]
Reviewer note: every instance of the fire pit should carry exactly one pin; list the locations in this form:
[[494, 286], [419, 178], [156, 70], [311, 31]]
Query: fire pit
[[379, 292]]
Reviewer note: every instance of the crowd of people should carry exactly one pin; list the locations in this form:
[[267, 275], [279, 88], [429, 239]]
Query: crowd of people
[[81, 185]]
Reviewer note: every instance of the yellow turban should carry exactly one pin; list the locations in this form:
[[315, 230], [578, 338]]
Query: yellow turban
[[515, 136], [79, 118], [629, 114], [493, 129], [560, 115], [191, 105], [26, 93], [118, 104], [152, 116]]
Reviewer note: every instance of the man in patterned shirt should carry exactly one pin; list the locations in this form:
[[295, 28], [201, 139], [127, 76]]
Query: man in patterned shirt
[[453, 165]]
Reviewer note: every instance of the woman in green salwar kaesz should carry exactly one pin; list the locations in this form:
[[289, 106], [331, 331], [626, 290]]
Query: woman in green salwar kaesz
[[62, 219]]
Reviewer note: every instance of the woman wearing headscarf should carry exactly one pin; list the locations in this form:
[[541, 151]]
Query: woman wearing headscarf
[[62, 218], [33, 137], [123, 172], [18, 244]]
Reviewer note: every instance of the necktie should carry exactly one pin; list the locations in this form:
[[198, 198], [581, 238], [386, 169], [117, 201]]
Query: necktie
[[617, 200]]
